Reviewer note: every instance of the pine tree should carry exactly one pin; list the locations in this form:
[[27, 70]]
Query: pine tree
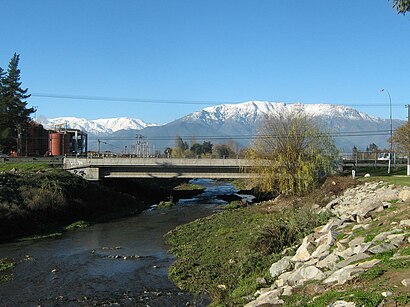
[[14, 115]]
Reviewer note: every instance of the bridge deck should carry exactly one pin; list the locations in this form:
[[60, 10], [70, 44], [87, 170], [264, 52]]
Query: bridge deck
[[99, 168]]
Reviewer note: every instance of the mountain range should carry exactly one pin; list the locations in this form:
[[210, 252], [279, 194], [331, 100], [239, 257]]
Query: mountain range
[[235, 122]]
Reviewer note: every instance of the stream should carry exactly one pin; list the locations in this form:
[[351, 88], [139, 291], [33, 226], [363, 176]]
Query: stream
[[118, 263]]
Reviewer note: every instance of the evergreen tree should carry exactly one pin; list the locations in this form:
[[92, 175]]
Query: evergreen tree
[[14, 114]]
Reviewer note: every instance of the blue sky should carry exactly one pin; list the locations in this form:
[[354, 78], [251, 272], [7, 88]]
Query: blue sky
[[208, 51]]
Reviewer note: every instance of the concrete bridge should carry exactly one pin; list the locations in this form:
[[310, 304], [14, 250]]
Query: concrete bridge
[[100, 168]]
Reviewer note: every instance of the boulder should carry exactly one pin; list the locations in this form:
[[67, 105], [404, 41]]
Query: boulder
[[305, 249], [349, 260], [347, 273], [281, 266], [384, 247], [268, 298], [405, 223], [396, 239], [328, 263], [367, 206], [404, 195], [304, 274]]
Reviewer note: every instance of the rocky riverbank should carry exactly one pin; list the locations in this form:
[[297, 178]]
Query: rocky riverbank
[[360, 257]]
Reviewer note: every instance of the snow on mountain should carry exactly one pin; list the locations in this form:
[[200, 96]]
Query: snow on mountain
[[97, 126], [252, 111]]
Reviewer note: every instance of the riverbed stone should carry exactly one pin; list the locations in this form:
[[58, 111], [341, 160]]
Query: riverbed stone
[[281, 266]]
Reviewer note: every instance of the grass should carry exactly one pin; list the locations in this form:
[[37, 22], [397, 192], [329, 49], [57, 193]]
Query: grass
[[5, 266], [24, 167], [41, 237], [224, 254], [78, 224], [165, 204], [189, 187], [236, 204]]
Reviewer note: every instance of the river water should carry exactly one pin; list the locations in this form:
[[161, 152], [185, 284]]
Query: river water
[[122, 262]]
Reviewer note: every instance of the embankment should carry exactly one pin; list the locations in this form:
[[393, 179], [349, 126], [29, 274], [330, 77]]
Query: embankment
[[43, 201], [276, 253]]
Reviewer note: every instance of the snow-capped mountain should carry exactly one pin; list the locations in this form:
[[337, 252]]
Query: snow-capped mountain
[[237, 122], [249, 112], [240, 122], [97, 126]]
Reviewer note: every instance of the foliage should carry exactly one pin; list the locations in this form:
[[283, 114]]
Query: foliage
[[402, 6], [39, 202], [224, 151], [14, 114], [401, 138], [201, 149], [290, 154], [181, 149], [372, 148]]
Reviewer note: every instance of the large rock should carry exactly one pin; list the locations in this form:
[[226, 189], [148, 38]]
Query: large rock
[[267, 299], [405, 195], [305, 249], [367, 206], [280, 266], [384, 247], [328, 263], [352, 259], [347, 273], [304, 274], [405, 223]]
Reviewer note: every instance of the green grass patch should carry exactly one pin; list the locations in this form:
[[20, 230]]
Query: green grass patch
[[223, 254], [369, 238], [78, 224], [372, 274], [41, 237], [236, 204], [24, 167], [189, 187], [5, 266], [165, 204], [359, 297], [403, 300]]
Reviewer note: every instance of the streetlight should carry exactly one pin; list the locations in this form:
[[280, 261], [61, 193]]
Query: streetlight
[[391, 128]]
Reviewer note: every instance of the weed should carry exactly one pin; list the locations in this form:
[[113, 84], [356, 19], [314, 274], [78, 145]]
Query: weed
[[372, 273], [236, 204], [165, 204], [78, 224], [403, 299]]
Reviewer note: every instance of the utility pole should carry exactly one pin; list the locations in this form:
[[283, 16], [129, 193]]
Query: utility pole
[[408, 154]]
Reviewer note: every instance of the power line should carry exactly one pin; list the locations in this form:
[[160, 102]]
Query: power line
[[176, 101]]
